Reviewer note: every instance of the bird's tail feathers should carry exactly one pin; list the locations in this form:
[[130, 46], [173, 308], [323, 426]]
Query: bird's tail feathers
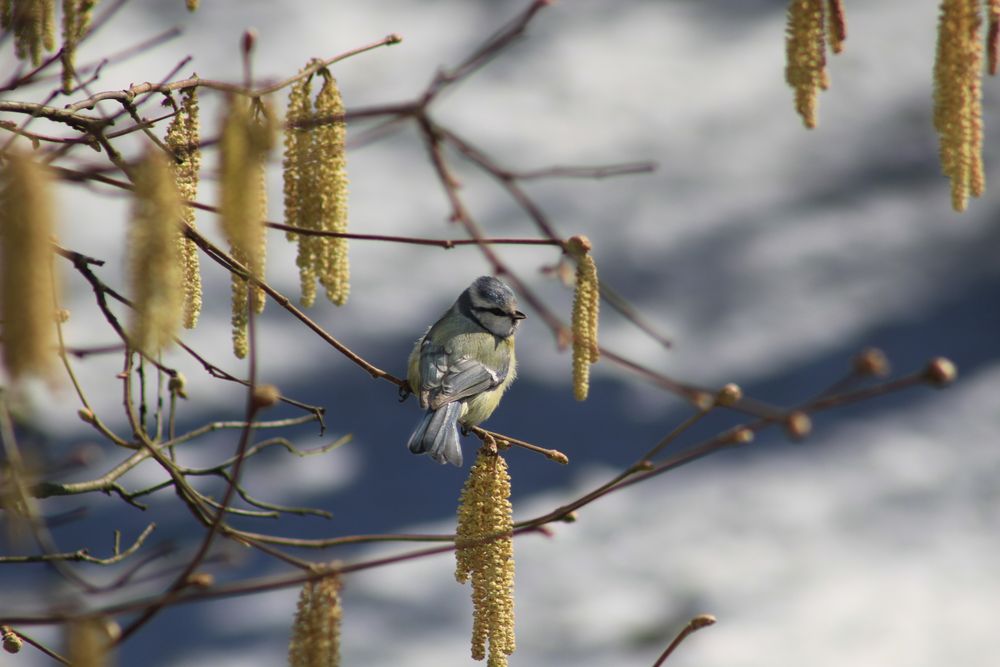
[[437, 435]]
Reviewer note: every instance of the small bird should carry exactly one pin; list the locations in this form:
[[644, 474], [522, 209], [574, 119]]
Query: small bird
[[461, 367]]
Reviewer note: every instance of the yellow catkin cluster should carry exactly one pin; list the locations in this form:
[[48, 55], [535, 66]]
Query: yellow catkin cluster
[[993, 34], [75, 23], [153, 259], [33, 25], [836, 25], [586, 302], [27, 290], [192, 5], [259, 297], [316, 630], [485, 554], [88, 642], [14, 505], [183, 141], [240, 320], [245, 143], [958, 99], [811, 24], [315, 175], [243, 292], [295, 172]]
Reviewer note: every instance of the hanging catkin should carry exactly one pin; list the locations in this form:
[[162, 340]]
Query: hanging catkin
[[154, 262], [27, 296], [183, 141], [485, 554], [586, 302], [958, 113], [315, 187], [246, 140], [75, 23], [332, 184]]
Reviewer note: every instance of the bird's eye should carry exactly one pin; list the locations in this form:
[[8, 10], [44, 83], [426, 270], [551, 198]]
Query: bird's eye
[[498, 312]]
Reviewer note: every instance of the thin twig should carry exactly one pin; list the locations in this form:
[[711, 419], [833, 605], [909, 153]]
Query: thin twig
[[43, 648], [83, 555], [551, 454], [442, 243], [195, 81], [697, 623], [218, 520]]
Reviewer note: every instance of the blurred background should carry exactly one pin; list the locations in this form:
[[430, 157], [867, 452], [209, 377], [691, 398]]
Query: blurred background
[[769, 254]]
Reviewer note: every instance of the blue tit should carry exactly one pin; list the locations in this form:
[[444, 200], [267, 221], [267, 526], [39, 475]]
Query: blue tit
[[461, 367]]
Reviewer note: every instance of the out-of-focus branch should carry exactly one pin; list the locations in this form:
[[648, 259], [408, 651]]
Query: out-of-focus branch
[[107, 482], [43, 648], [83, 555], [129, 94]]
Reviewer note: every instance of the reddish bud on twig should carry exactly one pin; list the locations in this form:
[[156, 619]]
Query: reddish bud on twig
[[701, 621], [200, 580], [557, 456], [741, 436], [249, 40], [729, 395], [702, 400], [176, 385], [941, 372], [798, 425], [11, 642], [265, 395], [871, 361]]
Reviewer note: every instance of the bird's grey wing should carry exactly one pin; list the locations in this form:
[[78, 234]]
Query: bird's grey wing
[[445, 379], [433, 367], [465, 377]]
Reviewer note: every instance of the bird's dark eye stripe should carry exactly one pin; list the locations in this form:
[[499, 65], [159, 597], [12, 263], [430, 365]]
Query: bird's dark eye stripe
[[496, 311]]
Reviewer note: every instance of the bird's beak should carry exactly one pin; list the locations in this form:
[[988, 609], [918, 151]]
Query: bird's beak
[[518, 315]]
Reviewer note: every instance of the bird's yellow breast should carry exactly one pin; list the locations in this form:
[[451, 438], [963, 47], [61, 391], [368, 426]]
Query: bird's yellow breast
[[478, 408]]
